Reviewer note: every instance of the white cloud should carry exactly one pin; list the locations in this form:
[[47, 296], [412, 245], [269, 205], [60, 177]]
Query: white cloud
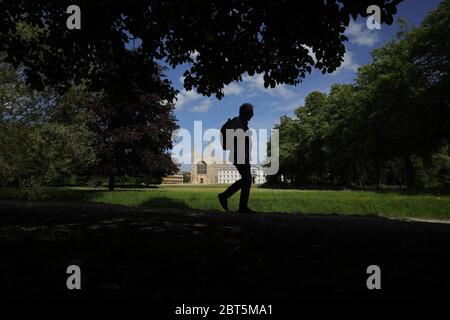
[[202, 106], [184, 97], [361, 35], [282, 91], [232, 88], [187, 96], [347, 64], [256, 82], [250, 86]]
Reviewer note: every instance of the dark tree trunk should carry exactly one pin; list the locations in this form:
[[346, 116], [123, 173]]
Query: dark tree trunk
[[378, 174], [409, 172], [112, 182]]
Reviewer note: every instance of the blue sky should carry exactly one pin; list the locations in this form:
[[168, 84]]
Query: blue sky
[[270, 104]]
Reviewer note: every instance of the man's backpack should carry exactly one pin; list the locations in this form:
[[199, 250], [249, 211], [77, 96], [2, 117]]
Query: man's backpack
[[223, 134]]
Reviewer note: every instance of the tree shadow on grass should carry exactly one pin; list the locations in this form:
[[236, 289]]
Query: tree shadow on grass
[[164, 202], [127, 252]]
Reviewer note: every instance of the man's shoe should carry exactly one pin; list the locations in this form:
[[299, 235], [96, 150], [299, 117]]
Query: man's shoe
[[223, 201], [246, 210]]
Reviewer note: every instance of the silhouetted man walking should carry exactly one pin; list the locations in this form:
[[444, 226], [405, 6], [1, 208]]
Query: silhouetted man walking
[[242, 162]]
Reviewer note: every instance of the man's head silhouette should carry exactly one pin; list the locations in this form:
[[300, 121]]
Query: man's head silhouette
[[246, 111]]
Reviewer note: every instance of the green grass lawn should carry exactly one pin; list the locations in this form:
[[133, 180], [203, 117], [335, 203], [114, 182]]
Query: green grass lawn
[[424, 206]]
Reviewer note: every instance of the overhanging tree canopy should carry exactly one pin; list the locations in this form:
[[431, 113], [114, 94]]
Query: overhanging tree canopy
[[230, 37]]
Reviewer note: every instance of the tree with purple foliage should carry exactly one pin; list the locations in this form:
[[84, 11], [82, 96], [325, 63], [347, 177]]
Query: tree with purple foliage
[[134, 121]]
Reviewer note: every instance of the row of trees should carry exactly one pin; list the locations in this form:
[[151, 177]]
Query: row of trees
[[392, 126]]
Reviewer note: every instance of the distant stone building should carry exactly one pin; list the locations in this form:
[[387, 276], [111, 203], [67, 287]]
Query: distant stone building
[[176, 178], [205, 170], [229, 174], [204, 173]]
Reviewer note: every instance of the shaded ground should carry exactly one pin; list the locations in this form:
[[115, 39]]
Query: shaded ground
[[183, 254]]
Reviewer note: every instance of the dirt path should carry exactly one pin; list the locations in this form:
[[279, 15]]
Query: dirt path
[[127, 252]]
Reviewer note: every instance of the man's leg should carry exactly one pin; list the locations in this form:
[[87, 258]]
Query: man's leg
[[232, 189], [246, 184], [223, 197]]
